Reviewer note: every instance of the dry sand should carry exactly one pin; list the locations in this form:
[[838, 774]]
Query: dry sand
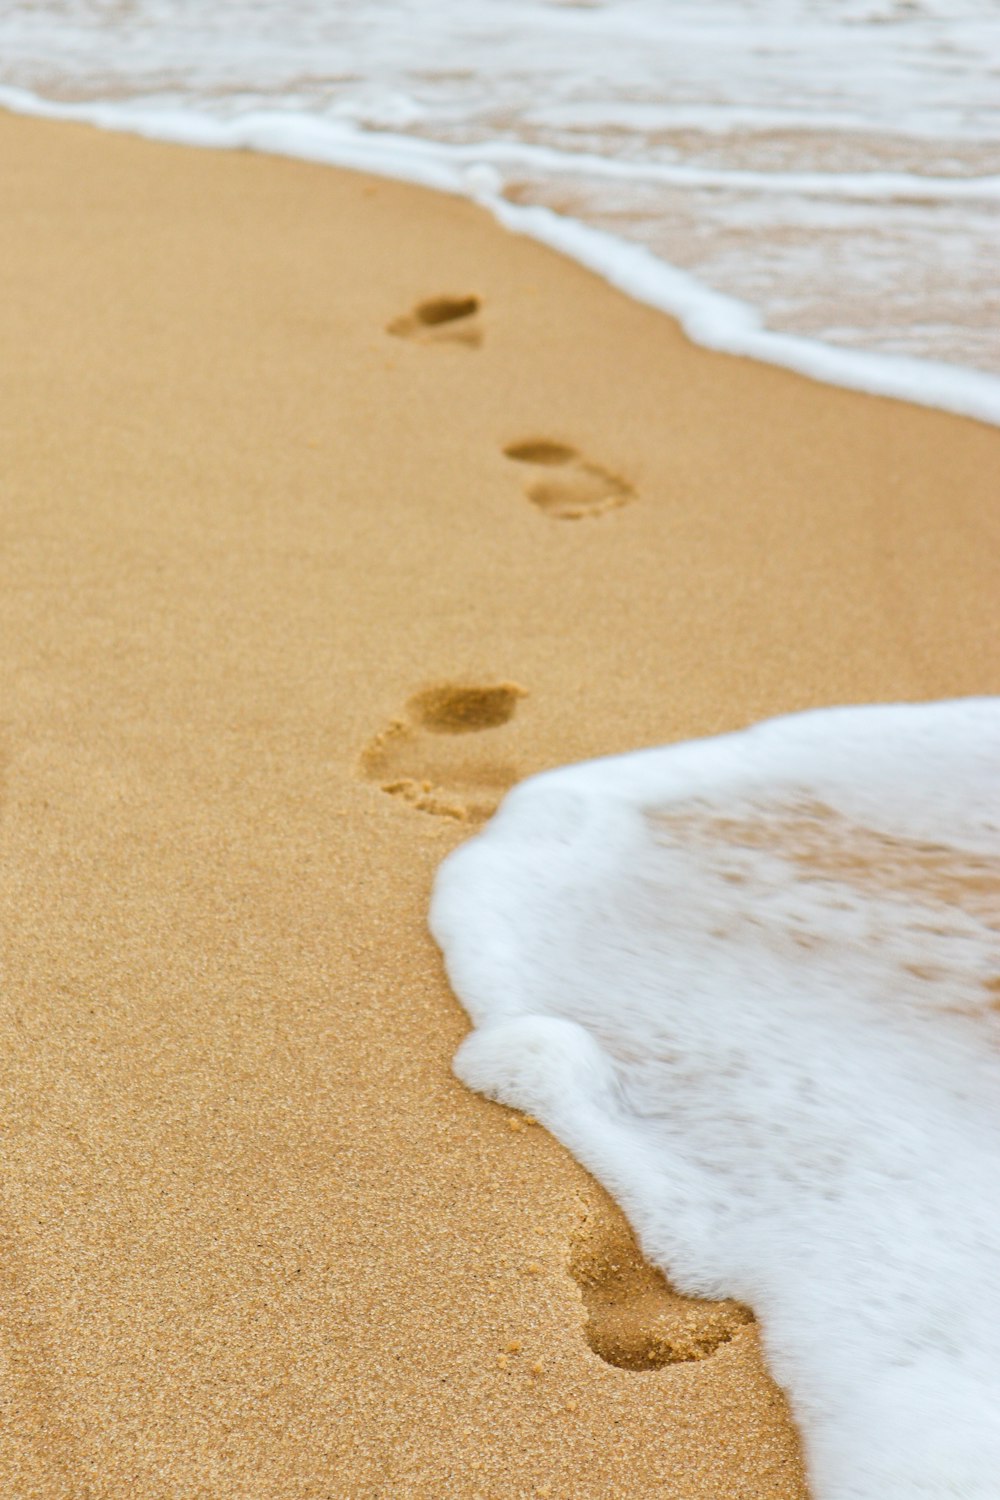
[[257, 1242]]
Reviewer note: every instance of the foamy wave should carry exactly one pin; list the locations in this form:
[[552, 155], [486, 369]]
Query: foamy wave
[[753, 984]]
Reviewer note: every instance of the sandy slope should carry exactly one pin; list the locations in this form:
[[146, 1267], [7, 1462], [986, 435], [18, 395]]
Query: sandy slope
[[257, 1242]]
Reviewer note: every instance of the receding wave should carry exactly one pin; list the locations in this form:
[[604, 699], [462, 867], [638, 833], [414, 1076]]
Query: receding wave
[[753, 983]]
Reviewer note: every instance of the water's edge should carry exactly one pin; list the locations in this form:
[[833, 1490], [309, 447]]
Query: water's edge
[[750, 982], [708, 317]]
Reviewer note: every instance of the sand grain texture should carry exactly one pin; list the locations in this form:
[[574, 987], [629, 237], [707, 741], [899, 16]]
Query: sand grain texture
[[256, 1241]]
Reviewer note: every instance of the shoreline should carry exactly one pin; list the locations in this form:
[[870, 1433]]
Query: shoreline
[[712, 319], [260, 551]]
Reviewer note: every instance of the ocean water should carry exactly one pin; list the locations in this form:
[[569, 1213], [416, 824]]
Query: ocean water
[[815, 182], [753, 984]]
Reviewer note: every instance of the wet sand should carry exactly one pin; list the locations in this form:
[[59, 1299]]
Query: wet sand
[[288, 600]]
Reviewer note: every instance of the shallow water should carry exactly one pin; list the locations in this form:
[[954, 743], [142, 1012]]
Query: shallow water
[[837, 166], [753, 984]]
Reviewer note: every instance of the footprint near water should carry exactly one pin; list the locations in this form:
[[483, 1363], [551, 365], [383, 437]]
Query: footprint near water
[[445, 319], [451, 752], [635, 1319], [563, 483]]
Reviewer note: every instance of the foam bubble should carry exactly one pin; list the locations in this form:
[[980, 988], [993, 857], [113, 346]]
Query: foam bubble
[[753, 983]]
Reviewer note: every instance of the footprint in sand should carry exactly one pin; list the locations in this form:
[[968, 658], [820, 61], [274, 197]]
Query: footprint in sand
[[566, 485], [433, 757], [634, 1318], [442, 320]]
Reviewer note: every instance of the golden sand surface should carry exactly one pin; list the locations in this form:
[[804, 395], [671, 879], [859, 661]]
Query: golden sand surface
[[329, 510]]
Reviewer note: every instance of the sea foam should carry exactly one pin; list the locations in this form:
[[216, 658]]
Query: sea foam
[[753, 984]]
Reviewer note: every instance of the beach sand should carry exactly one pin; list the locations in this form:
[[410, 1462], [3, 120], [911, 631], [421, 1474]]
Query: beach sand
[[262, 559]]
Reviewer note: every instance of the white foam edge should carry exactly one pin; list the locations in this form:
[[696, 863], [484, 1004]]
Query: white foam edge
[[893, 1397], [709, 318], [553, 807]]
